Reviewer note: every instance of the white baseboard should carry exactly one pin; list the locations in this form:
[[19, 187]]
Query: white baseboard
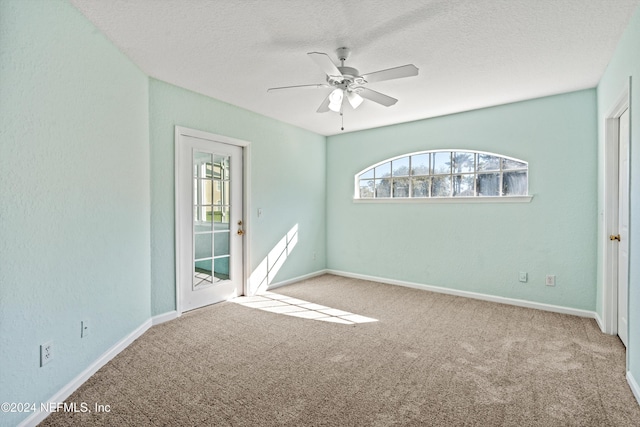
[[468, 294], [37, 417], [164, 317], [634, 386], [297, 279], [599, 322]]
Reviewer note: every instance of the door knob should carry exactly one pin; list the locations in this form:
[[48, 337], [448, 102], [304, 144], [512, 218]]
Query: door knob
[[615, 237], [240, 232]]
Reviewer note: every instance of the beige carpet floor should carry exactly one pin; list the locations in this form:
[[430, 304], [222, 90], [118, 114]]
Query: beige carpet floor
[[429, 360]]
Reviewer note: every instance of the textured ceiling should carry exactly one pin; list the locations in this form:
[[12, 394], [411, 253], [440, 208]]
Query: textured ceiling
[[471, 53]]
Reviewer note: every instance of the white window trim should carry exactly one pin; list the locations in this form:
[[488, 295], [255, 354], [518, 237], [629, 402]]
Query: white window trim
[[449, 199], [440, 200]]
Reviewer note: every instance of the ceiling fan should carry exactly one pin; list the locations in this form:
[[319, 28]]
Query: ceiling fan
[[348, 83]]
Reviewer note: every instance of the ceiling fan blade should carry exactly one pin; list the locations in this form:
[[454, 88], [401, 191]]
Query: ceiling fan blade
[[324, 107], [391, 73], [325, 63], [315, 86], [354, 99], [374, 96]]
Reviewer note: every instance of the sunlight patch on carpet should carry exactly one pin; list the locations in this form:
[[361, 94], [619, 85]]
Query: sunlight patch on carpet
[[282, 304]]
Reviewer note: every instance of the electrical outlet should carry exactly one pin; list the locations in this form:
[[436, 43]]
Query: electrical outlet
[[84, 328], [523, 277], [550, 280], [46, 353]]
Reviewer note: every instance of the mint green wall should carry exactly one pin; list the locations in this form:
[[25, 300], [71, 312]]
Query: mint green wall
[[287, 182], [86, 156], [625, 63], [74, 197], [478, 247]]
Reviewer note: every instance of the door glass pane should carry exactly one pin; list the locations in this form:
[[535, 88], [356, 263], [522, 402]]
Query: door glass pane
[[202, 219], [441, 162], [400, 167], [221, 167], [221, 268], [206, 194], [202, 165], [441, 186], [420, 164], [220, 192], [221, 218], [202, 273], [202, 246], [221, 243]]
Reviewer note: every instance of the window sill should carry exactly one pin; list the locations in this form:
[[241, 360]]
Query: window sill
[[506, 199]]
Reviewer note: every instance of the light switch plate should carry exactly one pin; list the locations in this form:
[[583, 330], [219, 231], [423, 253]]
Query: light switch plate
[[84, 328]]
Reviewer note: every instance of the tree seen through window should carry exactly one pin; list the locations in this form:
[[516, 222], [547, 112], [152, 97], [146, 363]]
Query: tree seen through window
[[444, 173]]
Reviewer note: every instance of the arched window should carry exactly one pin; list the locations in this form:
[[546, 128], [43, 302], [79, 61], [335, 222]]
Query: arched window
[[444, 174]]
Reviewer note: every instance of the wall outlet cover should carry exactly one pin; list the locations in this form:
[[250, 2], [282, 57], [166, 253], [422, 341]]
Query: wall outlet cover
[[550, 280], [46, 353], [523, 277]]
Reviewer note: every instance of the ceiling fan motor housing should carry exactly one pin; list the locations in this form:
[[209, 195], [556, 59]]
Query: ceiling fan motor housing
[[343, 53], [349, 76]]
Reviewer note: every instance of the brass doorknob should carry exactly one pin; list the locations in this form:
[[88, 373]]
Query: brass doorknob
[[240, 232], [615, 237]]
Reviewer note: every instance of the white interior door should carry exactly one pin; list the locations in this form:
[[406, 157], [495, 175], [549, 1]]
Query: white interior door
[[623, 226], [208, 221]]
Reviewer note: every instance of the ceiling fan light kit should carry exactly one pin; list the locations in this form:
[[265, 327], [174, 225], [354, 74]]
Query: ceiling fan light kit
[[354, 99], [349, 84], [335, 100]]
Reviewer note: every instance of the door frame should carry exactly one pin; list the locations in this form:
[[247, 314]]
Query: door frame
[[611, 211], [181, 131]]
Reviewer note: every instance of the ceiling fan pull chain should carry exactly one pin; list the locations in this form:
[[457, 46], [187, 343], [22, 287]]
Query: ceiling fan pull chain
[[342, 119]]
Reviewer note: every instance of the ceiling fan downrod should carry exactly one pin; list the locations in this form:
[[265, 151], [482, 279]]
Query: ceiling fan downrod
[[343, 54]]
